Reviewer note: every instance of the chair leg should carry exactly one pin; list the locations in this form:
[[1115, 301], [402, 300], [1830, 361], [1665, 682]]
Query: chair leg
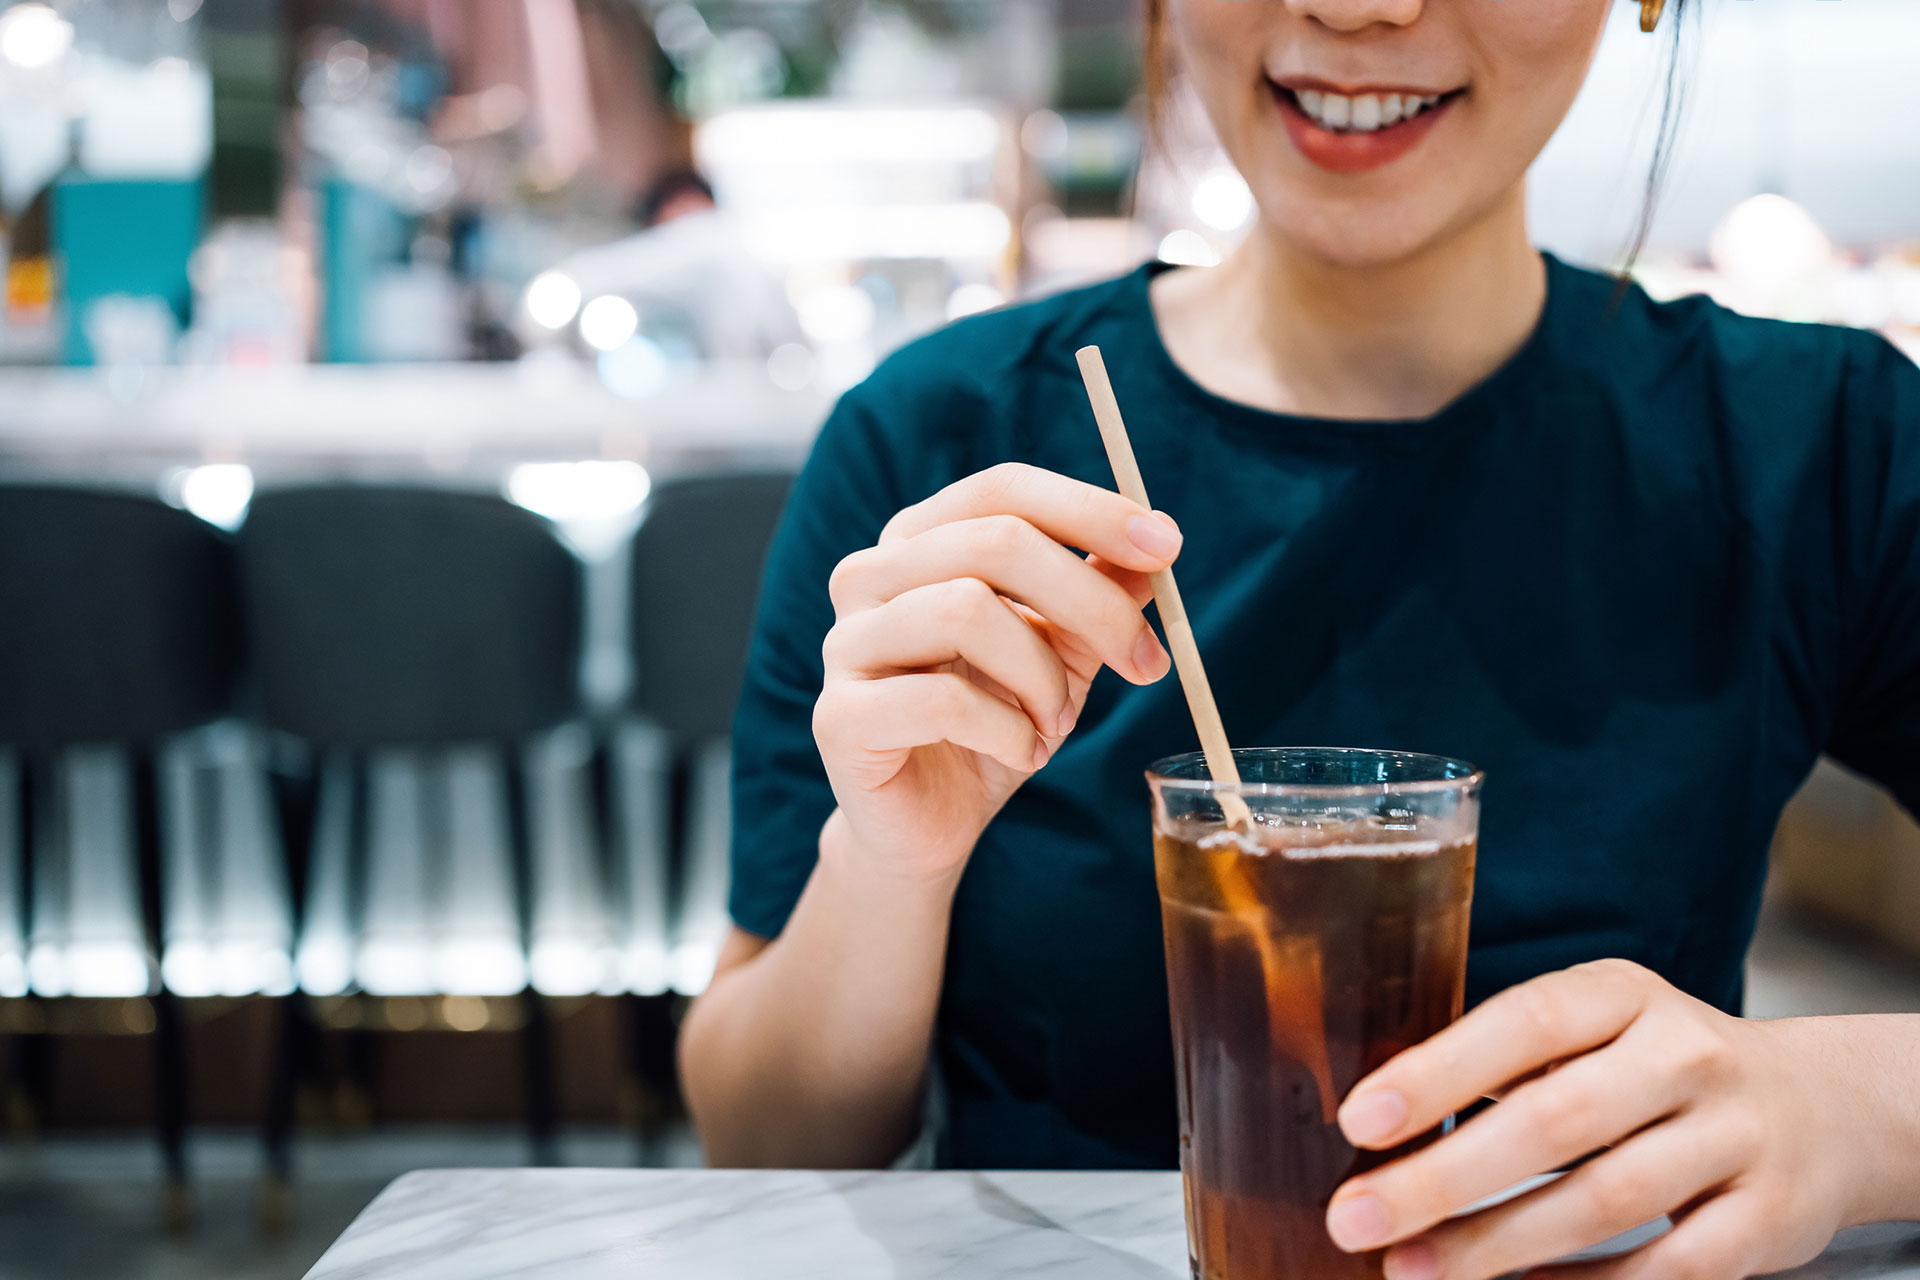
[[650, 1096], [355, 1090], [292, 1037], [31, 1076], [170, 1110], [169, 1024], [537, 1044]]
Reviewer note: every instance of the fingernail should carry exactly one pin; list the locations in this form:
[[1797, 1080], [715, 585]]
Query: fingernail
[[1064, 725], [1373, 1117], [1148, 656], [1415, 1260], [1041, 753], [1155, 534], [1358, 1223]]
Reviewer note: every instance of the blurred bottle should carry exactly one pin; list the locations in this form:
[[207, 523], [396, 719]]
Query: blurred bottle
[[36, 77], [383, 194], [30, 266], [127, 211]]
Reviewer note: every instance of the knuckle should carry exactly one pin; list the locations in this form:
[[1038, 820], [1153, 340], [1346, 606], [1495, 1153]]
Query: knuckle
[[1539, 1012], [1561, 1116], [1004, 536], [827, 719], [998, 483], [962, 602], [1700, 1056], [841, 583], [1619, 971], [833, 648], [1613, 1199], [901, 519]]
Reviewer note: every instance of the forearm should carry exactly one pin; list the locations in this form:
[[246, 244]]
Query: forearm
[[813, 1053], [1871, 1072]]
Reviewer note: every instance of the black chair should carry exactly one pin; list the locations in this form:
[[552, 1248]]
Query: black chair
[[395, 629], [697, 561], [119, 627]]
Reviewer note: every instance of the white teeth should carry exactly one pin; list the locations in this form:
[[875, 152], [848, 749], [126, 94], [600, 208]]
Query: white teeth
[[1362, 114]]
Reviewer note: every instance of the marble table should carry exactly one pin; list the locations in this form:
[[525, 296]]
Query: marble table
[[597, 1224]]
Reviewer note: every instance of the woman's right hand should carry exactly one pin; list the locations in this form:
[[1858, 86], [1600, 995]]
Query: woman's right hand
[[962, 650]]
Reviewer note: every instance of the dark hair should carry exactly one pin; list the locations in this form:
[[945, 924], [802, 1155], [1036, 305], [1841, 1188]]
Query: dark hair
[[1672, 107], [667, 188], [1157, 73]]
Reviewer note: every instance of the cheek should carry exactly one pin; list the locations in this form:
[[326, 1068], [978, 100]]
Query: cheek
[[1217, 38], [1220, 45], [1534, 55]]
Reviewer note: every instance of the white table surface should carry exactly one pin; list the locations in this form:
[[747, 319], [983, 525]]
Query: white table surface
[[596, 1224]]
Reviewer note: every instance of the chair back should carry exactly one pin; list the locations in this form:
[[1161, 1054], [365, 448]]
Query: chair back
[[118, 618], [386, 615], [697, 562]]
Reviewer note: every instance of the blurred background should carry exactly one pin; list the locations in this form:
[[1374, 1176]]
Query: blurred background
[[396, 398]]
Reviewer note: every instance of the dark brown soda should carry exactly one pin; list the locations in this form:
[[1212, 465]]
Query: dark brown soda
[[1298, 960]]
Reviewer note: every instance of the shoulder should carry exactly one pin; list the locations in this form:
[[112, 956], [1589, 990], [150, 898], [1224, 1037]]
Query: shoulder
[[959, 398], [991, 355], [1630, 324], [1752, 373]]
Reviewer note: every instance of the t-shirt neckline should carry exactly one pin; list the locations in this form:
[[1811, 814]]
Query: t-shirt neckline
[[1462, 410]]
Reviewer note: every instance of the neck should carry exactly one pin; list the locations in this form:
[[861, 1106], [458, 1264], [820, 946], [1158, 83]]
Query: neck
[[1282, 330]]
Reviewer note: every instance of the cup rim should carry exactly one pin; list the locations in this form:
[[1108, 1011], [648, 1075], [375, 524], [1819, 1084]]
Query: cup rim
[[1470, 778]]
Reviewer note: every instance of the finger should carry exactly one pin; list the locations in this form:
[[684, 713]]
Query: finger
[[1717, 1241], [1082, 663], [1517, 1032], [1071, 511], [1651, 1174], [1137, 585], [1541, 1126], [902, 712], [1016, 560], [963, 620]]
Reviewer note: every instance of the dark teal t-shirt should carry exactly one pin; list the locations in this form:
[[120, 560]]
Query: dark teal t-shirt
[[1643, 575]]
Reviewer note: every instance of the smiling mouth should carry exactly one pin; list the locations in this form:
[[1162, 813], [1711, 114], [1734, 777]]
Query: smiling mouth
[[1363, 112], [1351, 133]]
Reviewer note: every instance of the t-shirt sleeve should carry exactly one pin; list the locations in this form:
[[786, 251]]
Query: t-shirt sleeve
[[1876, 728], [844, 496]]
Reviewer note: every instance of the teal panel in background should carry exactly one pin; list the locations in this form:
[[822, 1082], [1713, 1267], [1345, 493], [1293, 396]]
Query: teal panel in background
[[123, 236], [360, 232]]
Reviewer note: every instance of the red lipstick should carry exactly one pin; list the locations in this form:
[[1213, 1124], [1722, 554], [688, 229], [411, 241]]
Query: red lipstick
[[1355, 152]]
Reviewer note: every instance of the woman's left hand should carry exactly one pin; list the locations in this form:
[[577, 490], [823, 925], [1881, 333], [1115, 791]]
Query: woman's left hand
[[1758, 1139]]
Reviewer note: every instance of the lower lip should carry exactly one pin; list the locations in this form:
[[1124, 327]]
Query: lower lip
[[1355, 152]]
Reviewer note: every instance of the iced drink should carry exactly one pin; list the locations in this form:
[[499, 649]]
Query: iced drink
[[1301, 954]]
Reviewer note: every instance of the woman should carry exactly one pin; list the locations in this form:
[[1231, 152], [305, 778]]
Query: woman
[[1434, 491]]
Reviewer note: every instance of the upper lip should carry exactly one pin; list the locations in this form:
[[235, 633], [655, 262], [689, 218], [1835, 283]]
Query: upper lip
[[1302, 84]]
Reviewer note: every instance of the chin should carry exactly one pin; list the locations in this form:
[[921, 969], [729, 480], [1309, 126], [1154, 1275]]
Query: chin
[[1342, 235]]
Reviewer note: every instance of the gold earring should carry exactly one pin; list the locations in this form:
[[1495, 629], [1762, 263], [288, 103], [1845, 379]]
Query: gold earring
[[1650, 13]]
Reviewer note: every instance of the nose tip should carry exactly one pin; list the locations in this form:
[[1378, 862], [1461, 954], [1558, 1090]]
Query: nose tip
[[1348, 16]]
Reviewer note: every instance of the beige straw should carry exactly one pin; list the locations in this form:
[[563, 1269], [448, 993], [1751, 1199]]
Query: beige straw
[[1291, 966], [1173, 614]]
